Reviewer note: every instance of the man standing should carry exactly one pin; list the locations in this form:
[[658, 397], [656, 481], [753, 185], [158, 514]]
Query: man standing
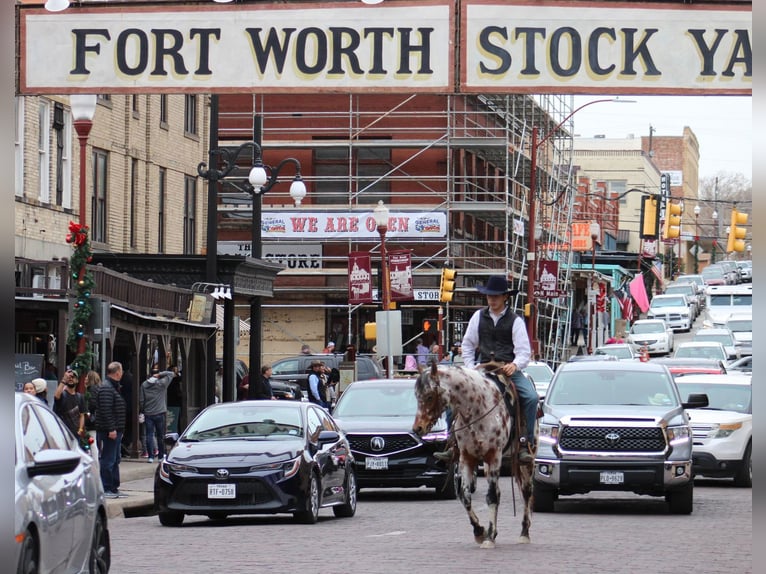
[[153, 402], [110, 426], [317, 392], [263, 388], [495, 333], [421, 354], [69, 405]]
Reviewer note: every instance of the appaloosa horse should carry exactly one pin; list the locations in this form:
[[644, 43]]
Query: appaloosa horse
[[482, 427]]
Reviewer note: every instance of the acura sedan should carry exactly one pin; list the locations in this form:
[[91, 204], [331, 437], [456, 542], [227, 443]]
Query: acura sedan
[[60, 520], [257, 457]]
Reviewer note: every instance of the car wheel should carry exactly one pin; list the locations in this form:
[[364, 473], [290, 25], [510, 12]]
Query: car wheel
[[543, 498], [29, 555], [348, 508], [681, 500], [100, 548], [170, 518], [448, 489], [744, 476], [311, 514]]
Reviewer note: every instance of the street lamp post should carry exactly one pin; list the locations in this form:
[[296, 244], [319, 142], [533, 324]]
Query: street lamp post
[[83, 109], [697, 210], [380, 213], [595, 233], [531, 241], [260, 180]]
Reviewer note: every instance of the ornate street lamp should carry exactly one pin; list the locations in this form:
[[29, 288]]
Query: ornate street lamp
[[83, 109], [380, 213]]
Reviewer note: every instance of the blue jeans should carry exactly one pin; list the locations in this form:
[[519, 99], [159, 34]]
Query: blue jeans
[[155, 434], [110, 460], [529, 401]]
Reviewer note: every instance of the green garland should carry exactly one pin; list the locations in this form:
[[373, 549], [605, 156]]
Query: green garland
[[82, 306]]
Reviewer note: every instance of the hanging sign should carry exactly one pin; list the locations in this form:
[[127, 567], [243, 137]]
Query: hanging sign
[[400, 273], [359, 278]]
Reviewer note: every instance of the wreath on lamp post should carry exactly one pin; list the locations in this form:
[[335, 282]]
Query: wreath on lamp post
[[82, 306]]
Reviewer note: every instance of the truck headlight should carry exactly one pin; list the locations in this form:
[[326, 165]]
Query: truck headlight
[[549, 433], [679, 435]]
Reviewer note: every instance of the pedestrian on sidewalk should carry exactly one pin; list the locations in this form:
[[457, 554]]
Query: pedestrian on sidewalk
[[92, 385], [70, 407], [153, 403], [110, 426]]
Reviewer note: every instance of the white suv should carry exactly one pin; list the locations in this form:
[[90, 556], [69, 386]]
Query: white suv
[[673, 309], [723, 431]]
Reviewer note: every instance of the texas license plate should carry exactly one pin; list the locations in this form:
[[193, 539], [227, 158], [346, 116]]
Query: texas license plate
[[612, 477], [376, 463], [221, 490]]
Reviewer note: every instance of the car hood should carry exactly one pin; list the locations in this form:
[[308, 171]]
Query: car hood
[[379, 424], [709, 416], [235, 452], [607, 413]]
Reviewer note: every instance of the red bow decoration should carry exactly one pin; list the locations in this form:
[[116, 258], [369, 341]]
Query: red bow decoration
[[78, 234]]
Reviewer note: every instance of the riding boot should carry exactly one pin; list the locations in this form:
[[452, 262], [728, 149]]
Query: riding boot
[[526, 451], [450, 455]]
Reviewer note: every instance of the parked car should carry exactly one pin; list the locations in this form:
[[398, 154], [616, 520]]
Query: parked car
[[723, 336], [286, 391], [701, 350], [296, 369], [257, 457], [723, 431], [743, 365], [652, 333], [623, 351], [745, 268], [615, 426], [741, 327], [730, 269], [680, 367], [60, 518], [376, 417], [714, 276], [699, 284], [673, 309], [541, 374], [690, 290]]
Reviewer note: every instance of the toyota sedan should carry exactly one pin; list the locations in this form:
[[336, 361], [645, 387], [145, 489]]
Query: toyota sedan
[[257, 457]]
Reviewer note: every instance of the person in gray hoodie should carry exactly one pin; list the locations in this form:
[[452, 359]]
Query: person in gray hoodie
[[153, 404]]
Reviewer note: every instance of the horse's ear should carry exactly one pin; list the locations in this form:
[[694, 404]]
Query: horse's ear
[[433, 368]]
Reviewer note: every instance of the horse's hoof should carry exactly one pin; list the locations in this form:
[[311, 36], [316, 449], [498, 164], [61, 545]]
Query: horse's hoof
[[479, 539], [488, 544], [524, 540]]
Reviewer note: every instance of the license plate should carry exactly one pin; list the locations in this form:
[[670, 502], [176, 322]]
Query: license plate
[[376, 463], [612, 477], [221, 490]]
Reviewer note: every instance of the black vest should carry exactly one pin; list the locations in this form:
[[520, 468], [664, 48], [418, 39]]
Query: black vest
[[496, 341]]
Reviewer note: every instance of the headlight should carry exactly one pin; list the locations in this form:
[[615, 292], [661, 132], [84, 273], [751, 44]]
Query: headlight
[[549, 433], [435, 436], [679, 435], [288, 468], [724, 430], [167, 467]]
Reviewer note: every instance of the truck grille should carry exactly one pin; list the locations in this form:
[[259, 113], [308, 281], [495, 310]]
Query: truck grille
[[612, 439]]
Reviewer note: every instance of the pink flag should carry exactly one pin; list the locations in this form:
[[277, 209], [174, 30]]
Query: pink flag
[[638, 291]]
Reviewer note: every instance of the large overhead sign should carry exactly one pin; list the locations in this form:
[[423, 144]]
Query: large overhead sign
[[494, 47]]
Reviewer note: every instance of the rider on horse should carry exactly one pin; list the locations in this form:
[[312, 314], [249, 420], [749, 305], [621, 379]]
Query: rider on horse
[[498, 335]]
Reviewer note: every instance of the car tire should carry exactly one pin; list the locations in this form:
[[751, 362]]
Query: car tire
[[100, 558], [448, 489], [543, 498], [681, 500], [170, 518], [311, 514], [29, 556], [348, 508], [744, 476]]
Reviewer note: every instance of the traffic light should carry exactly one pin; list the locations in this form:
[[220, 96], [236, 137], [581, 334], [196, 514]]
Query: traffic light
[[650, 217], [429, 326], [737, 233], [672, 228], [447, 287]]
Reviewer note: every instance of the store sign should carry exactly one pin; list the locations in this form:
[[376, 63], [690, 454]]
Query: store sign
[[291, 256], [581, 239], [503, 47], [278, 225], [547, 285], [400, 275]]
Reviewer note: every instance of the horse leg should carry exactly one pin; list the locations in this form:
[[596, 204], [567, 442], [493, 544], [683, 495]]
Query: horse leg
[[524, 480], [493, 500], [467, 486]]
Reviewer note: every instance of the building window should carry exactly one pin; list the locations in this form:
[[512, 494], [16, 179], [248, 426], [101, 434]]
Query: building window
[[616, 187], [340, 175], [190, 210], [164, 111], [134, 105], [161, 210], [99, 201], [190, 114], [133, 201], [44, 150], [66, 162], [19, 146]]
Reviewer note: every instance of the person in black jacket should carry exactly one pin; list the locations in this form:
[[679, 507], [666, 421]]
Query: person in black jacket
[[110, 426], [263, 390]]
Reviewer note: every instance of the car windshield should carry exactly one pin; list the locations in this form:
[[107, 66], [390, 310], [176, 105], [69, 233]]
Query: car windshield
[[619, 352], [667, 302], [539, 373], [379, 400], [723, 338], [701, 352], [644, 328], [612, 387], [245, 422], [740, 325], [712, 272], [720, 396], [682, 289]]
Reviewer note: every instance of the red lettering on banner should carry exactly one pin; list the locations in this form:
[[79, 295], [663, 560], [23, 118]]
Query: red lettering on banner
[[353, 224], [299, 223], [329, 227]]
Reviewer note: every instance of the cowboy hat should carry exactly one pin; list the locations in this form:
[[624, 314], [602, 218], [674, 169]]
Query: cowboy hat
[[496, 285]]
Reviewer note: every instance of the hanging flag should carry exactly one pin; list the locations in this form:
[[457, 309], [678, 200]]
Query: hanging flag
[[638, 291], [625, 301], [657, 270], [400, 273], [359, 278]]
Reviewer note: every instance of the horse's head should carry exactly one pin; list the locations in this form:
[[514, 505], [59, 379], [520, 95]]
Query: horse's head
[[432, 400]]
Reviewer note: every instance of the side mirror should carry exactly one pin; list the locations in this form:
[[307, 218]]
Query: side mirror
[[696, 401]]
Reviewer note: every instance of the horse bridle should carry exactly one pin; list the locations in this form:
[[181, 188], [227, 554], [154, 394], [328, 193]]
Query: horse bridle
[[468, 425]]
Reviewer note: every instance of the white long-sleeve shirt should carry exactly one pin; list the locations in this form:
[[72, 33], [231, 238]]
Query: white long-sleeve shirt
[[522, 350]]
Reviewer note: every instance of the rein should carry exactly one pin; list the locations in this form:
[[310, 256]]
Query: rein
[[496, 368]]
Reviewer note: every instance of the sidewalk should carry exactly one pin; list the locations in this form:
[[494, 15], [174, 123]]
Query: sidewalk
[[137, 478]]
